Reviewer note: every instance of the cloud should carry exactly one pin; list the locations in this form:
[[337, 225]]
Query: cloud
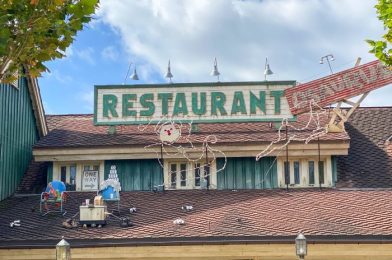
[[294, 34], [110, 53]]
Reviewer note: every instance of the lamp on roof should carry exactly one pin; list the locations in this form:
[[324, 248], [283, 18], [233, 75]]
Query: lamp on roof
[[267, 69], [168, 74], [63, 250], [134, 75], [328, 57], [215, 71], [301, 247]]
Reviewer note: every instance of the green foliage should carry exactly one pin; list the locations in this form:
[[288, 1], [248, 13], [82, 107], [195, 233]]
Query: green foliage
[[35, 31], [381, 48]]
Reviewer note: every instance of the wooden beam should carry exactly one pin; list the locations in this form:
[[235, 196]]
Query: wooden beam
[[219, 252]]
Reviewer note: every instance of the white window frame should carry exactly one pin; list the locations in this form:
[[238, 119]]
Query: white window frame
[[304, 172], [190, 167], [79, 171]]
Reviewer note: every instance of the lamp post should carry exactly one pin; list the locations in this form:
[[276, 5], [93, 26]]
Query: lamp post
[[63, 250], [301, 247], [328, 57]]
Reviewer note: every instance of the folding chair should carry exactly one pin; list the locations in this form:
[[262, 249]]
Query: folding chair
[[54, 193]]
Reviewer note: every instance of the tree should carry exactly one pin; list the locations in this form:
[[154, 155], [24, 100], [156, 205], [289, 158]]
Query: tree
[[35, 31], [382, 48]]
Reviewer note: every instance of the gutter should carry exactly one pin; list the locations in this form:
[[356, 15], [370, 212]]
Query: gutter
[[88, 243]]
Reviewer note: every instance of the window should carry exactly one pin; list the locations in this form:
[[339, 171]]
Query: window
[[197, 175], [72, 178], [287, 172], [321, 172], [183, 174], [297, 177], [178, 175], [189, 175], [173, 175], [311, 172], [63, 172], [302, 172]]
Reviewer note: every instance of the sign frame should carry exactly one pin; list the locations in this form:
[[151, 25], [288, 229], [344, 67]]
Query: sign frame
[[93, 184], [270, 85]]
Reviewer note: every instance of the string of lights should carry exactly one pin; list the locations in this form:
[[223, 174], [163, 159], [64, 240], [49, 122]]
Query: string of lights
[[314, 116], [169, 132]]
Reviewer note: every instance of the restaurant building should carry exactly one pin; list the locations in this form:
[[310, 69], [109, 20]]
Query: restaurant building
[[216, 171], [197, 133]]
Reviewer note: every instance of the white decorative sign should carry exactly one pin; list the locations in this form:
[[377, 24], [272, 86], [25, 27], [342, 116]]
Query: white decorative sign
[[90, 180]]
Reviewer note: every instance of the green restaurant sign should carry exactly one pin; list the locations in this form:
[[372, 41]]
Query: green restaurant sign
[[192, 102]]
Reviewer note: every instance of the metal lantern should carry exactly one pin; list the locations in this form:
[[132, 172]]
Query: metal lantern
[[301, 246], [63, 250]]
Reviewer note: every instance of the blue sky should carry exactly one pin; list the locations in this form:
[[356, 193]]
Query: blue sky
[[293, 34]]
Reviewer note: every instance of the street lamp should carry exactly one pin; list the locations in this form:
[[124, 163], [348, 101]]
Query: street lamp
[[63, 250], [328, 57], [301, 247]]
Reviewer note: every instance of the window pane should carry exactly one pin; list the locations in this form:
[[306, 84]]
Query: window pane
[[311, 172], [72, 170], [183, 174], [207, 174], [96, 167], [173, 175], [296, 173], [86, 167], [287, 172], [63, 172], [321, 172], [197, 174]]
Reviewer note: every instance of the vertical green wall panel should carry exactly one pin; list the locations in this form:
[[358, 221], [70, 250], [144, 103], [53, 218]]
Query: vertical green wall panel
[[247, 173], [136, 175], [49, 171], [18, 132]]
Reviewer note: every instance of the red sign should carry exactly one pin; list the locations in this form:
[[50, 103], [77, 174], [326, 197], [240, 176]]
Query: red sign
[[336, 87]]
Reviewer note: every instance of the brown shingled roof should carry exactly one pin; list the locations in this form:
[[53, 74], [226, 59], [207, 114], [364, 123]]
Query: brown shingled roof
[[369, 161], [230, 214], [79, 131]]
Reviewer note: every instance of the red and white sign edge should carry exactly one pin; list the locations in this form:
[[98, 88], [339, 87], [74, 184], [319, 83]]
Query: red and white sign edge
[[336, 87]]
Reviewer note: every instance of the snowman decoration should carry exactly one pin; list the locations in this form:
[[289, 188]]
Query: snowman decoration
[[169, 133]]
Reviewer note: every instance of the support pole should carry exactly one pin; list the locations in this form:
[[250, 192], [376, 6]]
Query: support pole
[[207, 176], [287, 166]]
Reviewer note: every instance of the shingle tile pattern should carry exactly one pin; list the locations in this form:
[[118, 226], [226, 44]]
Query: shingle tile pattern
[[369, 162], [34, 179], [252, 213], [67, 131]]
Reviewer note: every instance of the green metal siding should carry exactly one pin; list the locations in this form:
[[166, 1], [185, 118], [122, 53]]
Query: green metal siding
[[136, 175], [18, 132], [247, 173], [49, 175]]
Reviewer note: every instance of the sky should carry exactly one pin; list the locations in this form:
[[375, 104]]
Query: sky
[[240, 34]]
